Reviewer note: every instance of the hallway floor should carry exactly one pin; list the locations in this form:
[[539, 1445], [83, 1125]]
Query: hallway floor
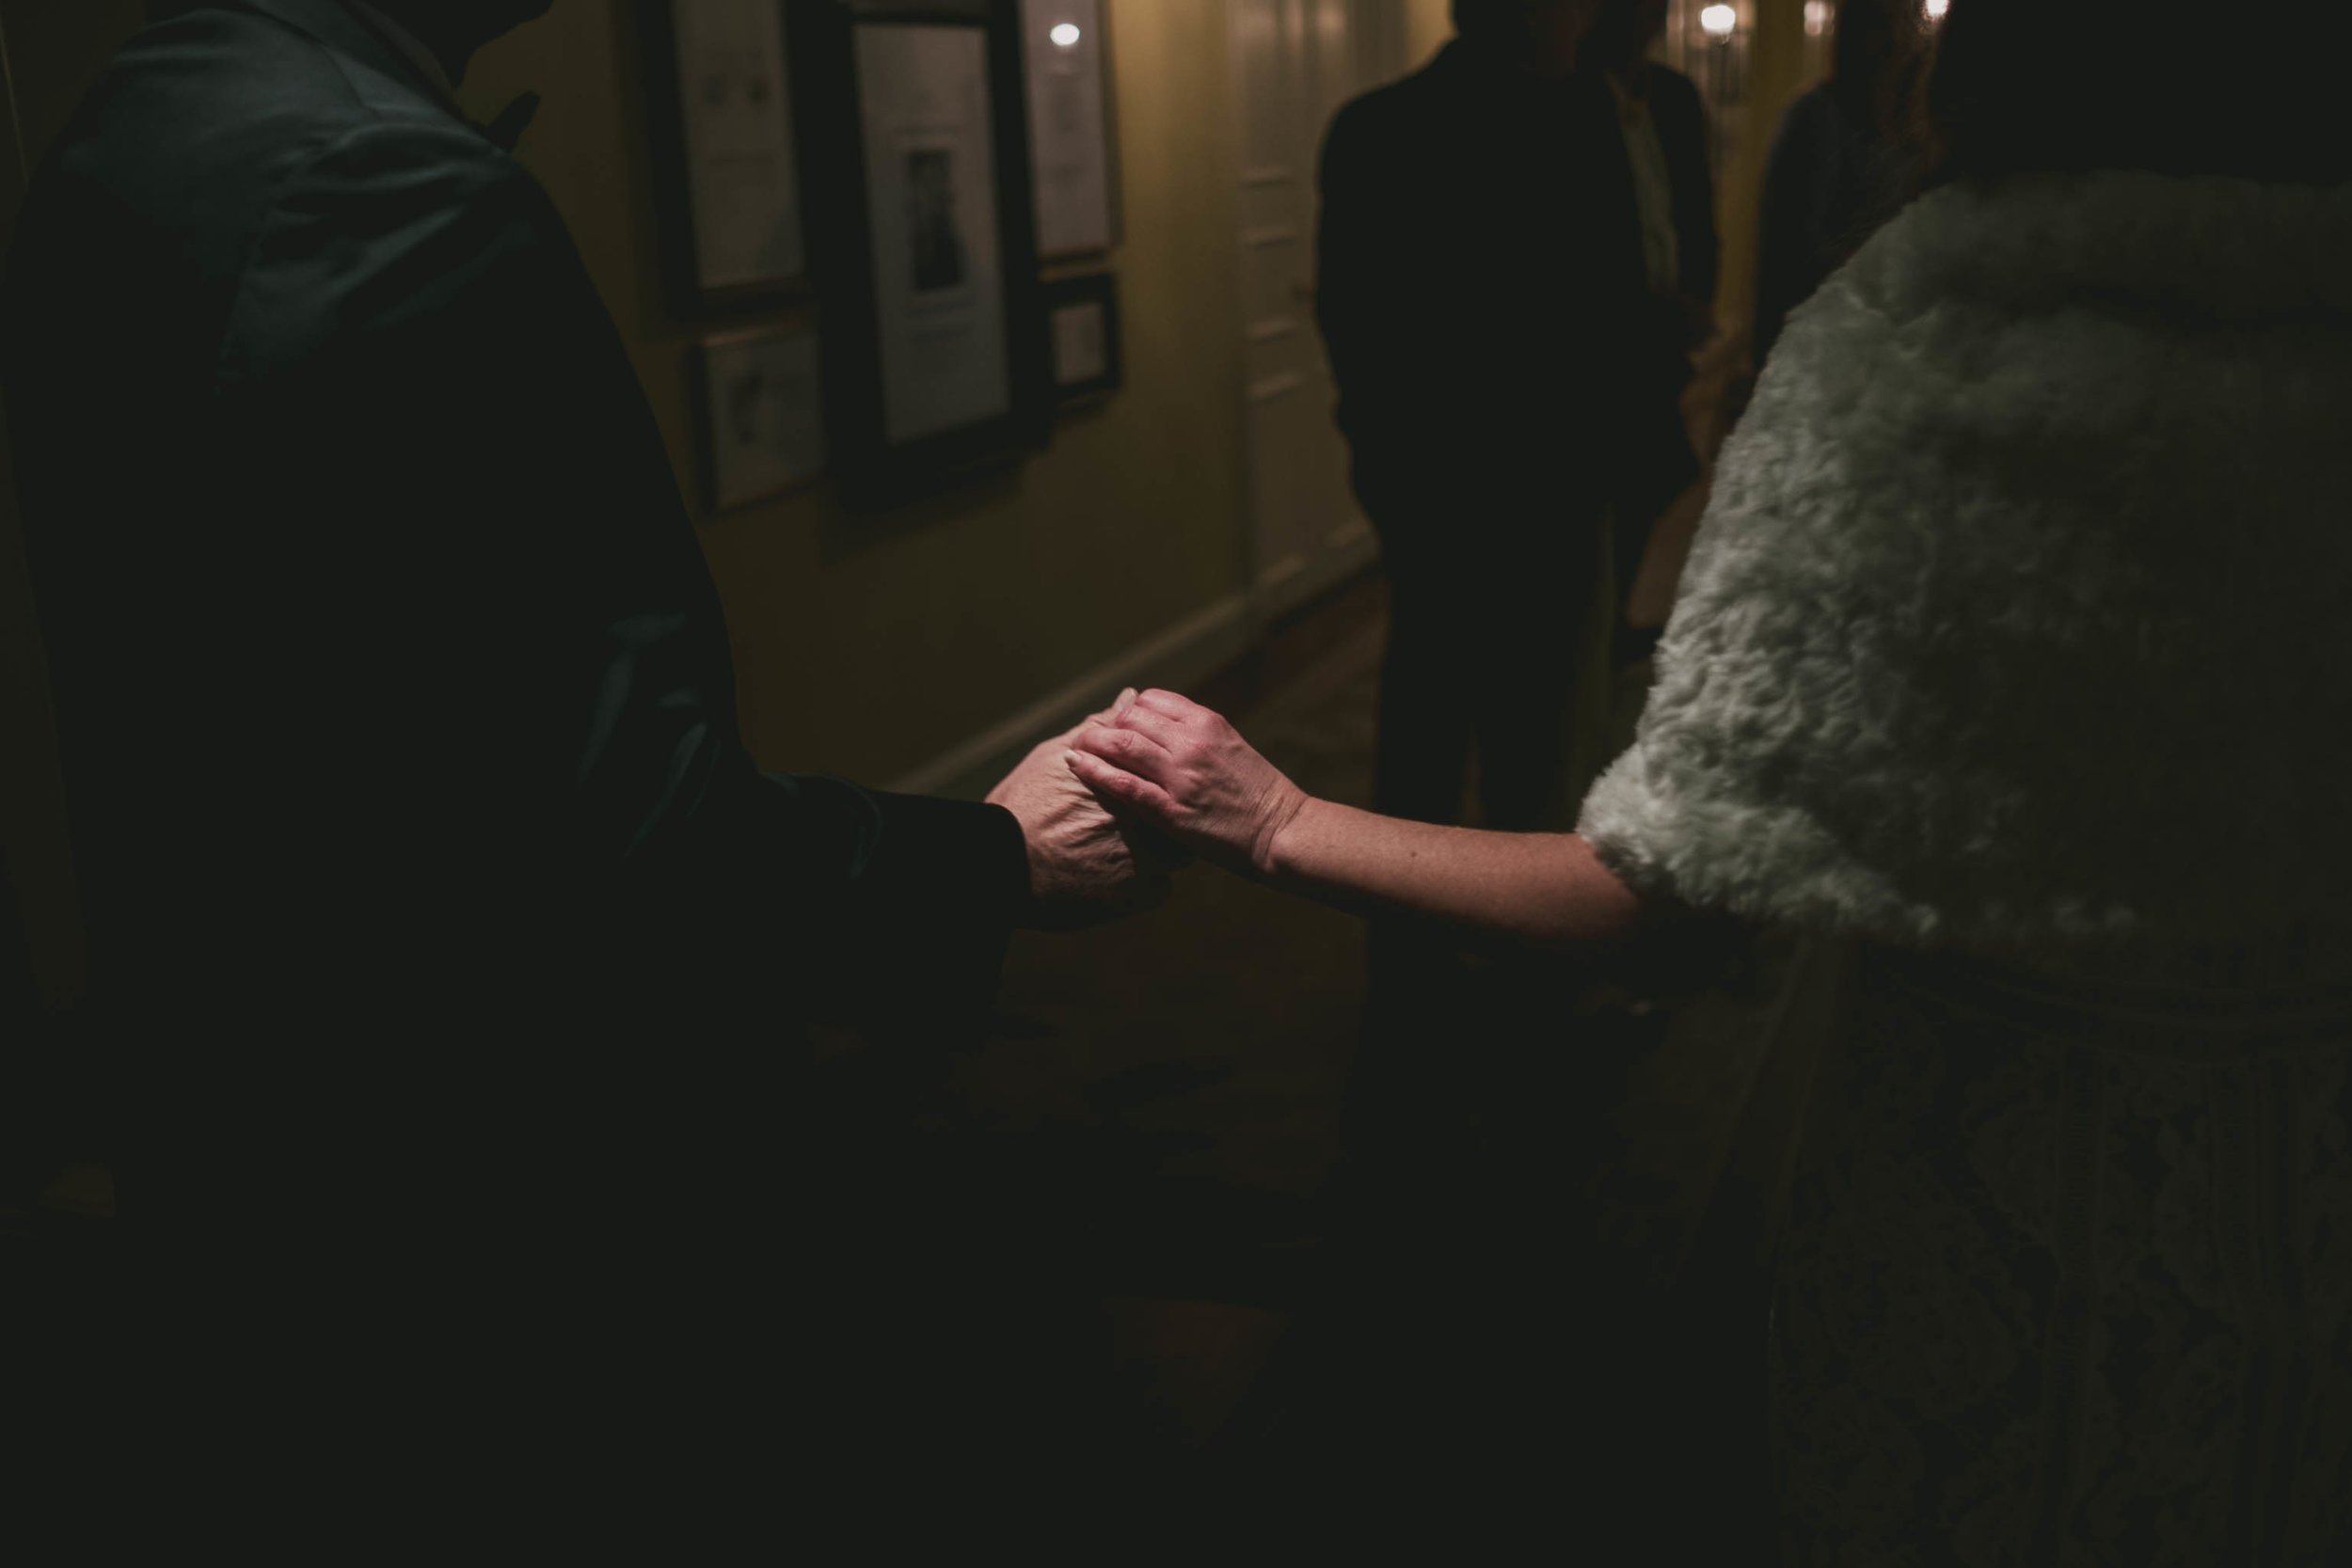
[[1443, 1314]]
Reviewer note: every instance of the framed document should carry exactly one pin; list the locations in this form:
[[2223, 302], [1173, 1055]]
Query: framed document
[[923, 237], [1072, 164], [763, 414], [938, 259], [1082, 333], [730, 153]]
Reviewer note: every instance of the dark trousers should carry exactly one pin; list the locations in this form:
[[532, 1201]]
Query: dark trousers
[[1493, 592], [1450, 1370], [1484, 658]]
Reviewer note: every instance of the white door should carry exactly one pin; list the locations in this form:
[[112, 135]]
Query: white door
[[1295, 63]]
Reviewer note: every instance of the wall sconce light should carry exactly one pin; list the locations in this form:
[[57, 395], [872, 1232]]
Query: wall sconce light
[[1816, 18], [1065, 35], [1936, 8], [1719, 22]]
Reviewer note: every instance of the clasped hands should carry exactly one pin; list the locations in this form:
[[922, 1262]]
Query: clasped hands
[[1113, 808]]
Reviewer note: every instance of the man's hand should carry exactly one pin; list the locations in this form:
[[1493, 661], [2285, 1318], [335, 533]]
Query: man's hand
[[1085, 868]]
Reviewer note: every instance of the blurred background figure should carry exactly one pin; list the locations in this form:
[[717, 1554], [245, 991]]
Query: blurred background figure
[[1477, 246], [1664, 124], [1847, 156]]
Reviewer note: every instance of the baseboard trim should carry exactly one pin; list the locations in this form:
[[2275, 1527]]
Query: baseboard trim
[[1183, 655], [1301, 580]]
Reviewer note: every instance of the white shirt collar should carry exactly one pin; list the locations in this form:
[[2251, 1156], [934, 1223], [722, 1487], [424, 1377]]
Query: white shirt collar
[[407, 43]]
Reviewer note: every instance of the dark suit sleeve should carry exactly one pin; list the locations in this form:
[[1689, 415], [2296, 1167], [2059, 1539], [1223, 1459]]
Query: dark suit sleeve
[[420, 384]]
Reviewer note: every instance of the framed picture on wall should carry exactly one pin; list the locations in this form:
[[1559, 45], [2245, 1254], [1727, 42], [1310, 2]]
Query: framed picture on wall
[[1074, 161], [728, 153], [762, 406], [923, 240], [1082, 333]]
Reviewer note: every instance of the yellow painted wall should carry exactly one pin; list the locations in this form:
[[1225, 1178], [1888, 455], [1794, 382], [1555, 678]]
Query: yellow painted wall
[[868, 646]]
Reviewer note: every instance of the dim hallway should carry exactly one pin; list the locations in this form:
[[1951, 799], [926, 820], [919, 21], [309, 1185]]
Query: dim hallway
[[1416, 1253]]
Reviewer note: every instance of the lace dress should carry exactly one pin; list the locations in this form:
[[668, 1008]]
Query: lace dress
[[2066, 1276]]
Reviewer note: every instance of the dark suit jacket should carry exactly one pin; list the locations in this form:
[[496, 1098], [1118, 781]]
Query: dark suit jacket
[[432, 893], [1482, 291]]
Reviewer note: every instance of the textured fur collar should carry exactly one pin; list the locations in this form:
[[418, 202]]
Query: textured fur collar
[[2021, 620]]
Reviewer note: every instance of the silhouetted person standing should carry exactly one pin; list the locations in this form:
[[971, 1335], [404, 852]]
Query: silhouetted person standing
[[1477, 249], [1488, 301], [1846, 157], [456, 952], [1662, 122]]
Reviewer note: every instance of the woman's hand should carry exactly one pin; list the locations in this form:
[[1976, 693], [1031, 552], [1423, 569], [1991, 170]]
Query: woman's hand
[[1185, 770]]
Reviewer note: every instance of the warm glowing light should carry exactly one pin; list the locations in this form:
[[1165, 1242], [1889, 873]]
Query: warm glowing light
[[1816, 18], [1719, 21], [1936, 9], [1065, 34]]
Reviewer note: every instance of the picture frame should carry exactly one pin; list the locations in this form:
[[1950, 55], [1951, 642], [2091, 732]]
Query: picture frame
[[759, 397], [923, 239], [1073, 137], [1083, 339], [728, 154]]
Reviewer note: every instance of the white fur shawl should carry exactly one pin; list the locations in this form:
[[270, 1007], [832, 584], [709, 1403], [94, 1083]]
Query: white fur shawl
[[2021, 621]]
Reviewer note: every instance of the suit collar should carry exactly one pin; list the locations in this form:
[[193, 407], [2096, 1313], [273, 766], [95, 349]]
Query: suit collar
[[341, 28]]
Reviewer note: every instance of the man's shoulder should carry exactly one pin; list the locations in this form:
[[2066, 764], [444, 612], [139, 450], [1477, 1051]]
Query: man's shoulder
[[1811, 125], [1665, 79], [232, 182], [198, 124], [1425, 97], [1390, 119], [1673, 93], [1369, 114]]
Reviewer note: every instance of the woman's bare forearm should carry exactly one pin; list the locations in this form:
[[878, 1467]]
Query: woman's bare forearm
[[1185, 770], [1545, 889]]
